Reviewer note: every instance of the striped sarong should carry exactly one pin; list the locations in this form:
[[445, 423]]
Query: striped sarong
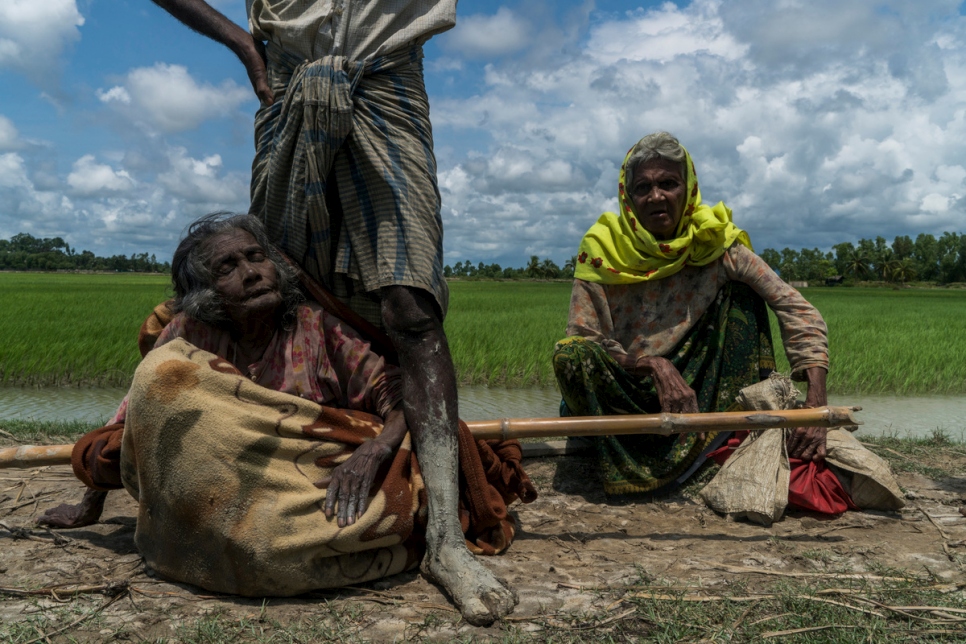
[[364, 127]]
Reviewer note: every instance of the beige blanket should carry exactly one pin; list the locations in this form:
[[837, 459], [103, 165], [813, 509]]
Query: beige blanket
[[224, 472]]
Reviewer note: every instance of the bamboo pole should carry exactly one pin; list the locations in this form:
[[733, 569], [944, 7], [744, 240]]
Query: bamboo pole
[[664, 424], [35, 456]]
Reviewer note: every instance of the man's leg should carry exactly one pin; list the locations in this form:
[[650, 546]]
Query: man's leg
[[430, 399]]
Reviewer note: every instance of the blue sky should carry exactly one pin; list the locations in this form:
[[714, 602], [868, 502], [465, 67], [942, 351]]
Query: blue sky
[[816, 121]]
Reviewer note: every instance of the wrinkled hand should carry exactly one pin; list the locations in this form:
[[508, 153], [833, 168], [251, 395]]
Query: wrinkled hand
[[808, 443], [255, 64], [350, 482], [673, 392], [65, 515]]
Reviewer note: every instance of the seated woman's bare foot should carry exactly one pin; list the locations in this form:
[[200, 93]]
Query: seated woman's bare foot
[[87, 512], [480, 596]]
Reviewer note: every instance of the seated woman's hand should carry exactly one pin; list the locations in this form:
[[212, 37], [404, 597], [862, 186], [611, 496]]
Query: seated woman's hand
[[350, 483], [673, 392], [808, 443]]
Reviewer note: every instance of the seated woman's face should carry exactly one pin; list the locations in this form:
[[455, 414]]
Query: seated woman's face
[[245, 277], [659, 193]]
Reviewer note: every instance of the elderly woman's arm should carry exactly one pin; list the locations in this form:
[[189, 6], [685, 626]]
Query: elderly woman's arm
[[368, 384], [350, 482], [804, 336]]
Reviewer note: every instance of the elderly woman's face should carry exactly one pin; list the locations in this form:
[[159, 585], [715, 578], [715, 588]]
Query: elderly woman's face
[[245, 277], [659, 193]]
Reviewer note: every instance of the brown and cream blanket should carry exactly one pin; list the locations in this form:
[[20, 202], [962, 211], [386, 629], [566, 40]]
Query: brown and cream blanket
[[226, 476]]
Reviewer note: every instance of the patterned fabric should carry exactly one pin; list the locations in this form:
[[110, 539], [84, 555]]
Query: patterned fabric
[[367, 126], [651, 318], [727, 349], [357, 30], [229, 478], [319, 359], [618, 250]]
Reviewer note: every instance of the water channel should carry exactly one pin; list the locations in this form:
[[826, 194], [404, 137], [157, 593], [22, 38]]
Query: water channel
[[882, 415]]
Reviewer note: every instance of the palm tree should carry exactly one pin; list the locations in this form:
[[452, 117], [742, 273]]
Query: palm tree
[[857, 263], [533, 268], [550, 269], [884, 263], [570, 266], [905, 270]]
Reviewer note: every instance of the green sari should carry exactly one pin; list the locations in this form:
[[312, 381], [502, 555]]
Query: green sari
[[727, 349]]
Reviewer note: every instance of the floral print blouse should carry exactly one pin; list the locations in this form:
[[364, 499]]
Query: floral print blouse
[[651, 318], [320, 359]]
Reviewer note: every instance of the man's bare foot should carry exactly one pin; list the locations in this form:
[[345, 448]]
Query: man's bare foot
[[87, 512], [480, 596]]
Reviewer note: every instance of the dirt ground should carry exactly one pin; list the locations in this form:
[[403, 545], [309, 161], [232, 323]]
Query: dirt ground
[[572, 552]]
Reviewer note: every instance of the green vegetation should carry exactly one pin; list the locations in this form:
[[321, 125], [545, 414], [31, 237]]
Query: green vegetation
[[61, 329], [892, 341], [24, 252], [504, 332], [82, 329]]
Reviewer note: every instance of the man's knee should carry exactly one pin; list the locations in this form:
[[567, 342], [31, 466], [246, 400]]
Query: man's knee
[[409, 311]]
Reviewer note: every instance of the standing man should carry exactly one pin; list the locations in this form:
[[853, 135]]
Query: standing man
[[344, 179]]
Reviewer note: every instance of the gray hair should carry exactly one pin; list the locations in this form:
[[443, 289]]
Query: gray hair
[[193, 280], [660, 145]]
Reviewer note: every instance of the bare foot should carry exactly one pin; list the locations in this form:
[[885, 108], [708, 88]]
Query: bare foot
[[480, 596], [87, 512]]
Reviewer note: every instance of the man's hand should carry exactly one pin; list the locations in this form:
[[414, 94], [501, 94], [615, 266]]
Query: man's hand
[[254, 61], [808, 443], [201, 17], [87, 512], [350, 483]]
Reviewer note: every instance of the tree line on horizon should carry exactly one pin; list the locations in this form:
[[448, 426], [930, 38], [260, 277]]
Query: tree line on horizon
[[535, 269], [925, 259], [24, 252]]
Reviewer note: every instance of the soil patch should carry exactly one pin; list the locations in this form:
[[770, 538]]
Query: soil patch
[[575, 559]]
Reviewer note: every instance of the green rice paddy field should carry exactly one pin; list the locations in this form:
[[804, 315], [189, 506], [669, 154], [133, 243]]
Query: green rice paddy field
[[58, 329]]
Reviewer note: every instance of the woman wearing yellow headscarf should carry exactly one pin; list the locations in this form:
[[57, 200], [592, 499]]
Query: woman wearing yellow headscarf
[[668, 313]]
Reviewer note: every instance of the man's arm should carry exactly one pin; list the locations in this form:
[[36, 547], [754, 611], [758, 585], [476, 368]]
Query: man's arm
[[201, 17]]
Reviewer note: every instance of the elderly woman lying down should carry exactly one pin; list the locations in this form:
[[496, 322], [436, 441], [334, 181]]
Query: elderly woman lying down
[[668, 313], [265, 442]]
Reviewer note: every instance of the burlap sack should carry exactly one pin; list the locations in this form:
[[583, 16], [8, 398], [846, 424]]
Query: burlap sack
[[753, 483], [871, 484]]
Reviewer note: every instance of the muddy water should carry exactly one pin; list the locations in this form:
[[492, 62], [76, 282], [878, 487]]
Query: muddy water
[[905, 416]]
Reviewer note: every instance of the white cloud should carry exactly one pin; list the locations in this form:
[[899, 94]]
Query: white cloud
[[482, 36], [662, 34], [9, 137], [34, 33], [90, 178], [115, 94], [199, 181], [118, 207], [169, 99]]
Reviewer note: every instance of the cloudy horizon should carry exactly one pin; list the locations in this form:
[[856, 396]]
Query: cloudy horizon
[[816, 122]]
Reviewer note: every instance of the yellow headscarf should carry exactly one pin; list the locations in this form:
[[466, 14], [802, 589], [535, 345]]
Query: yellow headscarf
[[618, 250]]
